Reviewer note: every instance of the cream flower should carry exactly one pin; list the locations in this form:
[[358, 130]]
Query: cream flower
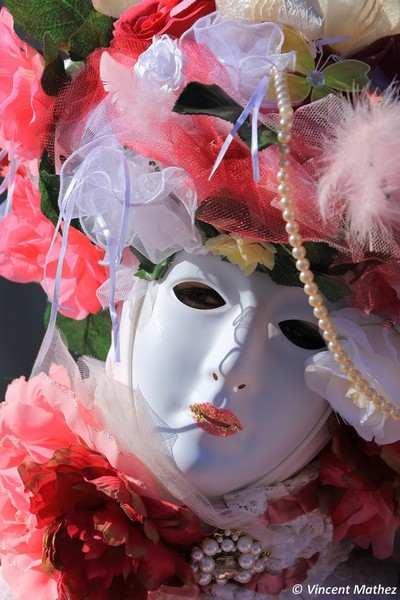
[[245, 253], [113, 8], [364, 21], [375, 352]]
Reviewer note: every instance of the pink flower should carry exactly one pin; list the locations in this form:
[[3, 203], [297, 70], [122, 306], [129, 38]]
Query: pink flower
[[31, 411], [25, 110], [37, 419], [25, 237]]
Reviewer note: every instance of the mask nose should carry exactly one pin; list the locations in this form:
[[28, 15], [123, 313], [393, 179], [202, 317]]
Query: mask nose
[[232, 379], [242, 360], [236, 388]]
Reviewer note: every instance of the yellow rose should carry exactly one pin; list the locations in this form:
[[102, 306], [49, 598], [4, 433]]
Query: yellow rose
[[245, 253]]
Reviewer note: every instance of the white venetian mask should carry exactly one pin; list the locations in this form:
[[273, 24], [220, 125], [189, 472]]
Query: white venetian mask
[[219, 359]]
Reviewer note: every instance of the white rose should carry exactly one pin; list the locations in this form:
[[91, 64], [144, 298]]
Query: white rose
[[247, 50], [159, 218], [161, 64], [113, 8], [375, 352], [163, 208]]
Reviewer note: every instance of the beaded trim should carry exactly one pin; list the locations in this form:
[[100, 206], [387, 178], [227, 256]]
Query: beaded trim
[[226, 557], [306, 276]]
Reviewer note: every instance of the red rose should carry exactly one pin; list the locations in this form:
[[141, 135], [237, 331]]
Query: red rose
[[364, 501], [375, 287], [102, 540], [151, 17]]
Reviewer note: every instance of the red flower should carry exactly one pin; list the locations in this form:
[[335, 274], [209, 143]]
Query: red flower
[[365, 504], [102, 539], [155, 17], [375, 287]]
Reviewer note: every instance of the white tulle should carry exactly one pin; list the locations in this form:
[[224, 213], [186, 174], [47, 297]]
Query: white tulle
[[247, 50]]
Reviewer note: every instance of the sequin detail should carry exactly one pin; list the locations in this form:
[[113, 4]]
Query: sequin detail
[[216, 421]]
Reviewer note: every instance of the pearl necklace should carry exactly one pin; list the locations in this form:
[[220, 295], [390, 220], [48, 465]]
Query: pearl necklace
[[306, 276]]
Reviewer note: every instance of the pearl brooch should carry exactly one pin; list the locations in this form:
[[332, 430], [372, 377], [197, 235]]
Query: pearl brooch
[[315, 299], [228, 556]]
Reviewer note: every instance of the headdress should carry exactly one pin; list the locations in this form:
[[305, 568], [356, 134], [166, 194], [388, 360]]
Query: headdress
[[265, 133]]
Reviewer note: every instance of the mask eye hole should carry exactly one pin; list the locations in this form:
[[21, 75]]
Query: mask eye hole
[[198, 295], [302, 334]]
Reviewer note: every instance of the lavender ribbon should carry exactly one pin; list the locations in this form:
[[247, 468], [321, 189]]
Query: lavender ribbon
[[253, 104], [8, 184], [114, 249]]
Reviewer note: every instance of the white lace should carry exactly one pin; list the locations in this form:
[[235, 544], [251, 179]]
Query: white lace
[[302, 537]]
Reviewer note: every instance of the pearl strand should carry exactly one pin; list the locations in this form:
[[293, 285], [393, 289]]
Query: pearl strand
[[315, 299]]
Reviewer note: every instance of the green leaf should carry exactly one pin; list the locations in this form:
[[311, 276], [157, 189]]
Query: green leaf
[[284, 271], [266, 137], [207, 231], [148, 270], [74, 68], [347, 75], [59, 17], [199, 99], [320, 255], [49, 186], [90, 336], [54, 75], [330, 287], [156, 273], [95, 32]]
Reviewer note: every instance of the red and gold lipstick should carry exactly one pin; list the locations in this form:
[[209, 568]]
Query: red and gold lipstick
[[216, 421]]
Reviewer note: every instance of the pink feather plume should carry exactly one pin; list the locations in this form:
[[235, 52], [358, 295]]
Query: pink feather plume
[[361, 181], [119, 81]]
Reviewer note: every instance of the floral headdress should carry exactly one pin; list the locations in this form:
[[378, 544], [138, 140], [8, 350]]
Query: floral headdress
[[176, 127]]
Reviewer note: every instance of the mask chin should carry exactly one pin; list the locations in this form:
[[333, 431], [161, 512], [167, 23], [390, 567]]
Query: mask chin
[[232, 357]]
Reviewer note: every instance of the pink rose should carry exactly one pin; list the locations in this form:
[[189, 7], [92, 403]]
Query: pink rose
[[142, 21], [25, 237], [25, 110], [39, 417]]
